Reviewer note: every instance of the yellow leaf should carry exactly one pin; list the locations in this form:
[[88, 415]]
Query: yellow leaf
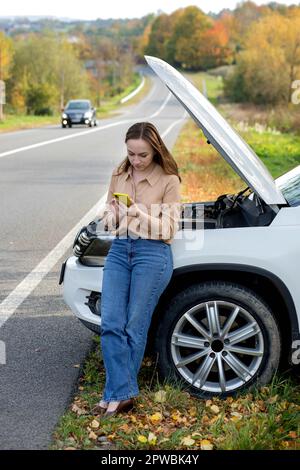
[[152, 438], [187, 441], [192, 411], [175, 416], [156, 418], [272, 399], [206, 445], [215, 409], [95, 424], [142, 439], [160, 396]]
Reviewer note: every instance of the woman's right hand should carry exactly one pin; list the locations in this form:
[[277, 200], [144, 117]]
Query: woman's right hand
[[119, 208]]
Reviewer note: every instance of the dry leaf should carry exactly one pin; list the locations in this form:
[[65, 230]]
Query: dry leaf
[[160, 396], [95, 424], [215, 409], [206, 445], [156, 418], [152, 438], [187, 441], [78, 411], [92, 435]]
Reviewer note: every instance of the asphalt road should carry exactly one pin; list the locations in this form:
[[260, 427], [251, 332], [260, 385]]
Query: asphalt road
[[45, 191]]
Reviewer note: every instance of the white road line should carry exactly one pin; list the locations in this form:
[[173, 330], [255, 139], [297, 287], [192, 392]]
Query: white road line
[[10, 304], [59, 139]]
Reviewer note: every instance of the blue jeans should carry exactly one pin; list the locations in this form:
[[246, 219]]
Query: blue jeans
[[135, 274]]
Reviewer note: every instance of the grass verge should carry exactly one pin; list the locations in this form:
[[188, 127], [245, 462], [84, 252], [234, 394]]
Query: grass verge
[[167, 417]]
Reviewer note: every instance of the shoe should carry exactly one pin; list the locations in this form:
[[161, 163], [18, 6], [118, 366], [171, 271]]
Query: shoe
[[98, 410], [123, 406]]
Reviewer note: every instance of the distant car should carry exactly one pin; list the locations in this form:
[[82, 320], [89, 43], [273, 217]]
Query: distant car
[[79, 112]]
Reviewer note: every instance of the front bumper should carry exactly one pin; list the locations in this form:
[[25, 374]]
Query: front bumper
[[70, 121], [81, 286]]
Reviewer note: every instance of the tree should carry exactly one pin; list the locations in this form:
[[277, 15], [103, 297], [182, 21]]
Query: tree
[[46, 72], [268, 66], [189, 37]]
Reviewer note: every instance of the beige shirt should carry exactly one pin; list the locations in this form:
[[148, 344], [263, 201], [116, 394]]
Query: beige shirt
[[158, 206]]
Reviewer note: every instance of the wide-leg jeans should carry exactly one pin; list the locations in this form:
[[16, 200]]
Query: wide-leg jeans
[[135, 274]]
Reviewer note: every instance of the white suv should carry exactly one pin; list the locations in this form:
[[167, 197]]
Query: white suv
[[231, 311]]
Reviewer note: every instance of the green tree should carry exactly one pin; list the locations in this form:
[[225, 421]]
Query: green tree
[[46, 72]]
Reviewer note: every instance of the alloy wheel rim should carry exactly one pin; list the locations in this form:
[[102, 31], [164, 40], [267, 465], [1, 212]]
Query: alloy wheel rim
[[217, 346]]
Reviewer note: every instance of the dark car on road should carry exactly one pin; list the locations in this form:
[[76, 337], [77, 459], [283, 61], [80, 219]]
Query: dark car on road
[[79, 112]]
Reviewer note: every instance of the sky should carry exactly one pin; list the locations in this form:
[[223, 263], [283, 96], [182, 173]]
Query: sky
[[112, 8]]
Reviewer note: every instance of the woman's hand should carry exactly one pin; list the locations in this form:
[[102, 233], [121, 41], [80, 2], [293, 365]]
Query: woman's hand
[[120, 208]]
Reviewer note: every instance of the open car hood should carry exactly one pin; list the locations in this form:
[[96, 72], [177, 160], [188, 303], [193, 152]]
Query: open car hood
[[219, 133]]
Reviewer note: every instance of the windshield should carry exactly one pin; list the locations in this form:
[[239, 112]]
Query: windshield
[[289, 184], [78, 105]]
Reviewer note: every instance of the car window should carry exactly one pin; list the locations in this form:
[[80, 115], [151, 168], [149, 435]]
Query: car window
[[289, 184], [78, 105]]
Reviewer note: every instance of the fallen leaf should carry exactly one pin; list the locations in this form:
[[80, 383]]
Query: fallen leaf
[[187, 441], [156, 418], [92, 435], [95, 424], [77, 410], [215, 409], [152, 438], [272, 399], [142, 439], [206, 445], [160, 396]]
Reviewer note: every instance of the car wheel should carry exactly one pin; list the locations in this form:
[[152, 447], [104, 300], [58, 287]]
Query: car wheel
[[63, 126], [91, 124], [217, 338]]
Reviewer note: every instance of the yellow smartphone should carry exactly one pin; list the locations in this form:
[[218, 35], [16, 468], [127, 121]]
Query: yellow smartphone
[[124, 197]]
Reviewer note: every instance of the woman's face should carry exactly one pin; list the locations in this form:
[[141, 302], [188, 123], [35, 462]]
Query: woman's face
[[140, 153]]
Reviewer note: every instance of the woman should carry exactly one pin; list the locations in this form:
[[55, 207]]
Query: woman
[[139, 264]]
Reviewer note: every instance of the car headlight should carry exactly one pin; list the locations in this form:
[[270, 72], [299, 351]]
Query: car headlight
[[64, 116], [88, 114]]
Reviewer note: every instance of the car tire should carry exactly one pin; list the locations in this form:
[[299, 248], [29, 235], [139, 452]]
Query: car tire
[[208, 306], [95, 123], [70, 125], [63, 126]]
